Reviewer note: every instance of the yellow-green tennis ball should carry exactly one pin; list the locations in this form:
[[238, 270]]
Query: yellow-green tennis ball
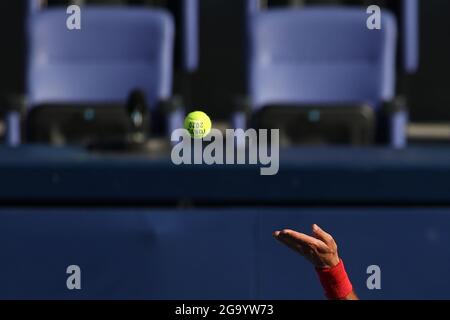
[[198, 124]]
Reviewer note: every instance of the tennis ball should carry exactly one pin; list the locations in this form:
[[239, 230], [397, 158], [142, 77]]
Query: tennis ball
[[198, 124]]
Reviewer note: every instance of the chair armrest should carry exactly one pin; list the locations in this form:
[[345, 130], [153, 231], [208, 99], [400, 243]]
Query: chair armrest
[[170, 105], [398, 104], [174, 112], [241, 112]]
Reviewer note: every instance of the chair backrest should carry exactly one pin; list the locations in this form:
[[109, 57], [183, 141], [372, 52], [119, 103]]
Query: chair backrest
[[320, 56], [409, 13], [116, 51]]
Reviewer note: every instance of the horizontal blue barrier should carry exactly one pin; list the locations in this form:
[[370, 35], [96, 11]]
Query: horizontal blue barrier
[[306, 176], [216, 253]]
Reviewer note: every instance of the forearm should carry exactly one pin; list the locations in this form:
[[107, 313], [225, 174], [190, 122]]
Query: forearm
[[351, 296]]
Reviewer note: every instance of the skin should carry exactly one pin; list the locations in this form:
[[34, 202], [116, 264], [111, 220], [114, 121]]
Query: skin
[[320, 248]]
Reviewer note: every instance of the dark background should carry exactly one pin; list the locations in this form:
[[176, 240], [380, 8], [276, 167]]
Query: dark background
[[221, 76]]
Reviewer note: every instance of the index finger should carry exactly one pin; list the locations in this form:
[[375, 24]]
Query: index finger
[[301, 238]]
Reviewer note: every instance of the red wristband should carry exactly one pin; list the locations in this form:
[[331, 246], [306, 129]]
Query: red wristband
[[335, 281]]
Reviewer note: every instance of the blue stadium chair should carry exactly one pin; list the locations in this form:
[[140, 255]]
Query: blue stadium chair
[[117, 51], [323, 56], [411, 26], [407, 12], [187, 21], [252, 6], [12, 94], [190, 29]]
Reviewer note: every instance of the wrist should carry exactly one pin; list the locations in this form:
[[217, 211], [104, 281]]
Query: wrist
[[334, 262], [335, 281]]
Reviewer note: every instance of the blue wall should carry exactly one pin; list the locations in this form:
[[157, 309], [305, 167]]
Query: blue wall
[[217, 253]]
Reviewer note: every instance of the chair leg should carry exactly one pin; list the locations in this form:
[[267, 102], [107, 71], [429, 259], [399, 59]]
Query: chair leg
[[398, 132]]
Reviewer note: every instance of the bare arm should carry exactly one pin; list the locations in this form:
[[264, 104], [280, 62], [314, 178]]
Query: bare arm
[[320, 248]]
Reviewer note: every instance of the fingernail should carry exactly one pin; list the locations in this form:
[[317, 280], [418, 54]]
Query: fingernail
[[315, 227]]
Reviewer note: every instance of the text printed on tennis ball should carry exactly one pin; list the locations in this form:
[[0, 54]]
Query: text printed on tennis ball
[[198, 124], [197, 129]]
